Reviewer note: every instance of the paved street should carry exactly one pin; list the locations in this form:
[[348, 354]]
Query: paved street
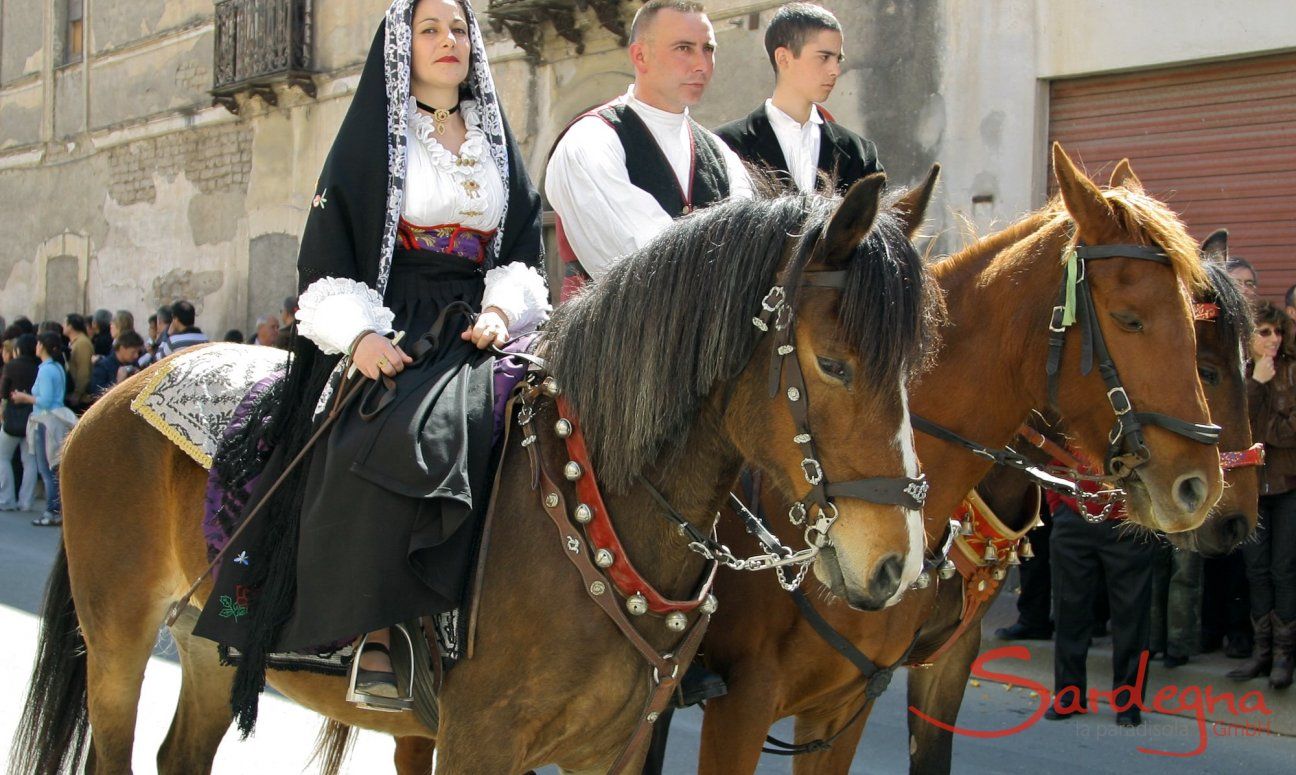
[[286, 733]]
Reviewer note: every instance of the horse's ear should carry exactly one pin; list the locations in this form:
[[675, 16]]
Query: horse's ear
[[911, 208], [853, 219], [1124, 175], [1094, 217], [1215, 247]]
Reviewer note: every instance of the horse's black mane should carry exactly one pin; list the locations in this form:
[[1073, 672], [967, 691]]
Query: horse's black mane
[[1234, 311], [638, 352]]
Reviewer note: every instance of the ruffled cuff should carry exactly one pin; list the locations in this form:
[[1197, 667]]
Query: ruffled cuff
[[333, 311], [521, 293]]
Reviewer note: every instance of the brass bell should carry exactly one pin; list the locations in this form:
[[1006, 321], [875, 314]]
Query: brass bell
[[637, 604], [1012, 557], [572, 470], [990, 554], [604, 558], [948, 569], [563, 428], [966, 529], [923, 581], [709, 605], [676, 621], [550, 387], [1000, 573], [584, 514], [1027, 552]]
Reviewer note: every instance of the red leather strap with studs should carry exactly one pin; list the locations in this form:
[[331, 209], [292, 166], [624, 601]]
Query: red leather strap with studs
[[602, 534], [1253, 456]]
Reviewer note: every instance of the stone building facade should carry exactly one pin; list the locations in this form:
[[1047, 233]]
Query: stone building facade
[[123, 185]]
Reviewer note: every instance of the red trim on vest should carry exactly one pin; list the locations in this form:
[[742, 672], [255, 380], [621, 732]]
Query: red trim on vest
[[601, 532], [1253, 456], [824, 112]]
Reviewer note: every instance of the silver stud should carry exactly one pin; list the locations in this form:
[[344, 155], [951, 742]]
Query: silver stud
[[966, 529], [584, 514], [999, 574], [598, 588], [551, 500], [948, 569], [676, 622], [709, 604], [923, 581], [652, 717], [793, 394], [785, 349], [990, 554], [563, 428], [604, 558], [637, 604], [572, 470], [1027, 551], [801, 438], [550, 387], [760, 324], [981, 585]]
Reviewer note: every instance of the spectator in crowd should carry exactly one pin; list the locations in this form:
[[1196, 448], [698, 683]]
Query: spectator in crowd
[[122, 322], [164, 321], [113, 367], [182, 332], [233, 335], [1084, 540], [19, 375], [267, 331], [100, 335], [46, 397], [79, 361], [1271, 557], [1176, 604], [1246, 275], [287, 323], [23, 325], [151, 341], [1289, 299]]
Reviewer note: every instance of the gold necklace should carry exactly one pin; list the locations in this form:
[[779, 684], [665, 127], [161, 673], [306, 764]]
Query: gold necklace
[[439, 115]]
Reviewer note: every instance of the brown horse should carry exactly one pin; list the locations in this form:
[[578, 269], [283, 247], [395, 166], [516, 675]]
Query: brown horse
[[675, 392], [989, 377], [936, 688]]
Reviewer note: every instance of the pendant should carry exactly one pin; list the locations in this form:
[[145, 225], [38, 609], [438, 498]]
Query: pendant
[[440, 117]]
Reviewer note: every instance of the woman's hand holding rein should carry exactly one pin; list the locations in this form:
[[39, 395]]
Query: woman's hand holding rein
[[375, 355], [491, 328]]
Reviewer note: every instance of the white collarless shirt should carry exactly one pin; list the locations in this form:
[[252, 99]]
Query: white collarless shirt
[[604, 215], [800, 143]]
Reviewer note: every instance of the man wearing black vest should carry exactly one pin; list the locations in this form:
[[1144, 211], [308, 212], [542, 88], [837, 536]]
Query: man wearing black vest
[[621, 172], [790, 134]]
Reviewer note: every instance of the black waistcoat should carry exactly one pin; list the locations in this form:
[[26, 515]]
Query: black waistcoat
[[650, 170]]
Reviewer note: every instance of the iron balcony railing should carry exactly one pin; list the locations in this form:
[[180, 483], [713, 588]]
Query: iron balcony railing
[[261, 43]]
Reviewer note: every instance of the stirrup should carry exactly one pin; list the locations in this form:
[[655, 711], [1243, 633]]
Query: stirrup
[[366, 701]]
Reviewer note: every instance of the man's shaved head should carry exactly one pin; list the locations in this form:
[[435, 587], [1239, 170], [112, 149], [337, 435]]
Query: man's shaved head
[[644, 16]]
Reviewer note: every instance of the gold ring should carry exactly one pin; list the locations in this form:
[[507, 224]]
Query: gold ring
[[382, 362]]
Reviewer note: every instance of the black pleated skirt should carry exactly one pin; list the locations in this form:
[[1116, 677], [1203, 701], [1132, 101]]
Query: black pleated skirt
[[394, 502]]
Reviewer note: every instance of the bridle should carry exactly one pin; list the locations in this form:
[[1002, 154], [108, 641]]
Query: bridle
[[1127, 449], [817, 510]]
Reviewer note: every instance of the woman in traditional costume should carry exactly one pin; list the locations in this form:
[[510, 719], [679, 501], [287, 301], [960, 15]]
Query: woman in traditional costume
[[423, 214]]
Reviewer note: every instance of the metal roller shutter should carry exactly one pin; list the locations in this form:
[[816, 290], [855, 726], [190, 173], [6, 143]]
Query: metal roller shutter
[[1217, 141]]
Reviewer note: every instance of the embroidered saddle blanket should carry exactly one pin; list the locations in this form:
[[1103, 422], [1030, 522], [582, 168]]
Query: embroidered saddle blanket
[[191, 396]]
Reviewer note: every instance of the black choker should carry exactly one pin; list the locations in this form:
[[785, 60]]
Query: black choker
[[439, 115]]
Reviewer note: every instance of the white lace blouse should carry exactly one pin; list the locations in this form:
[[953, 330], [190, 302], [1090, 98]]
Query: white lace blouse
[[440, 188]]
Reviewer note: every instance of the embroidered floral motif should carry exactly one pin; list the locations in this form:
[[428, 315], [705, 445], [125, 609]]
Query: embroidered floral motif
[[320, 199], [233, 608], [242, 559]]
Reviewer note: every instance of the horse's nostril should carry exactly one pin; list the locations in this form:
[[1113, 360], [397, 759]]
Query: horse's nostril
[[1190, 492], [1235, 529], [887, 578]]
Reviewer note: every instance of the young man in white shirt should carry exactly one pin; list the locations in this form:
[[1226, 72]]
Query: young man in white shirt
[[791, 134], [621, 172]]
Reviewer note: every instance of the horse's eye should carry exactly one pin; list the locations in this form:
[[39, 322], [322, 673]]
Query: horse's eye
[[838, 370], [1128, 321], [1209, 375]]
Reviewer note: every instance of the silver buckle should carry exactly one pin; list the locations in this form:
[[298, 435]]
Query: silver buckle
[[812, 470], [1111, 398]]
